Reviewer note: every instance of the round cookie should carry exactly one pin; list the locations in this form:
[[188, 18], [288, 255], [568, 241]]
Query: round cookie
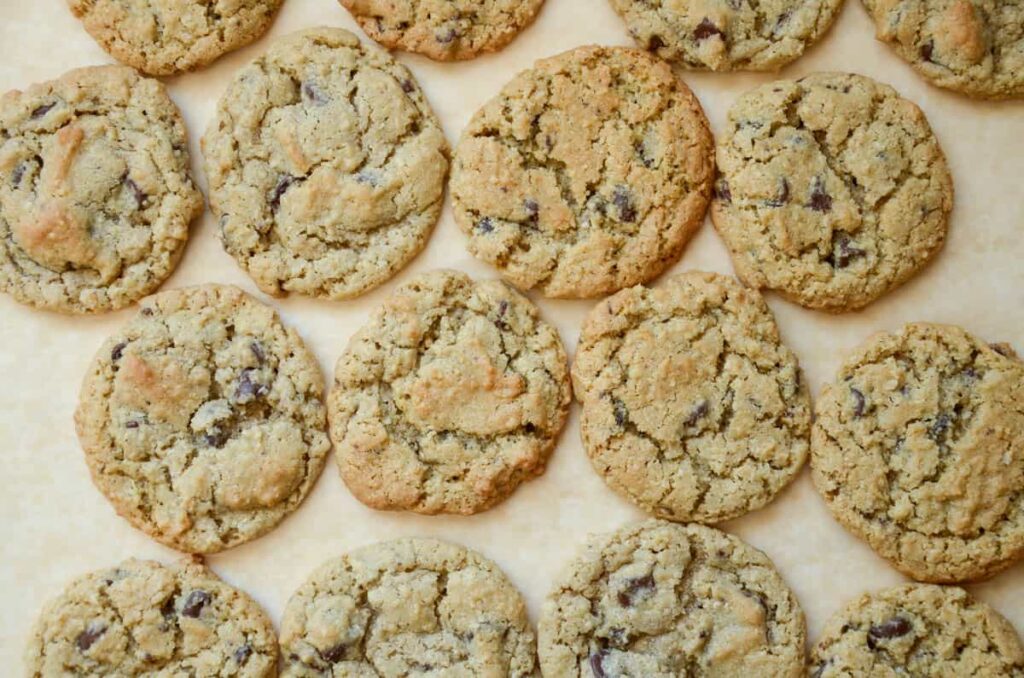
[[444, 30], [586, 174], [918, 448], [660, 600], [832, 190], [326, 166], [407, 607], [759, 35], [164, 37], [451, 396], [202, 419], [971, 46], [693, 409], [142, 618], [95, 192], [917, 630]]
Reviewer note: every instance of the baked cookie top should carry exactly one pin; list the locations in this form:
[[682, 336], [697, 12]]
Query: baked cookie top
[[832, 189], [662, 600], [407, 607], [917, 630], [760, 35], [164, 37], [586, 174], [202, 419], [445, 30], [95, 192], [971, 46], [451, 396], [918, 448], [326, 166], [693, 408], [142, 618]]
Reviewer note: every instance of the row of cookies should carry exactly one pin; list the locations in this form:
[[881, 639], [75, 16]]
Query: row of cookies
[[585, 175], [203, 419], [971, 46], [650, 599]]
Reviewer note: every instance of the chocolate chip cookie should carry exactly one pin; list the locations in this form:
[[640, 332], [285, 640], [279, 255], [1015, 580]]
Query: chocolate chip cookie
[[586, 174], [326, 166], [918, 448], [693, 409], [832, 190], [407, 607], [759, 35], [451, 396], [95, 192], [662, 600], [445, 30], [970, 46], [142, 618], [164, 37], [202, 419], [917, 630]]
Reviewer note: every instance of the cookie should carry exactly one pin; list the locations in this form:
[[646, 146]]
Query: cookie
[[407, 607], [142, 618], [444, 30], [832, 190], [693, 409], [971, 46], [918, 448], [164, 37], [202, 419], [95, 192], [760, 35], [326, 166], [660, 600], [917, 630], [451, 396], [586, 174]]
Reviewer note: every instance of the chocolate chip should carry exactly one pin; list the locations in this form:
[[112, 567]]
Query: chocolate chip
[[781, 21], [705, 29], [722, 191], [247, 389], [133, 188], [167, 609], [19, 172], [131, 424], [367, 177], [147, 311], [620, 411], [118, 351], [842, 251], [216, 437], [242, 654], [335, 653], [698, 413], [42, 110], [532, 209], [502, 308], [654, 43], [781, 197], [313, 95], [407, 86], [485, 225], [257, 350], [444, 37], [859, 403], [195, 603], [90, 635], [820, 200], [636, 587], [624, 203], [927, 49], [283, 184], [891, 628], [641, 152], [939, 427], [617, 637], [597, 663]]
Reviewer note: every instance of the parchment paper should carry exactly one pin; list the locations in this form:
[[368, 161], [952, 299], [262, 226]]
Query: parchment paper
[[55, 525]]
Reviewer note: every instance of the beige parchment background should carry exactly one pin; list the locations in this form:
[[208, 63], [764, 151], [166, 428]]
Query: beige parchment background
[[54, 525]]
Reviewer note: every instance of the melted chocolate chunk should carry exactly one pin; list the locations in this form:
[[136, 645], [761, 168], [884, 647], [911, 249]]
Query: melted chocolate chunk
[[722, 191], [620, 411], [283, 184], [624, 203], [597, 663], [842, 251], [195, 603], [698, 412], [42, 110], [407, 86], [890, 628], [118, 351], [131, 424], [782, 197], [335, 653], [19, 172], [635, 588], [147, 311], [167, 609], [927, 49], [859, 402], [216, 437], [90, 635], [257, 350], [247, 389], [532, 209], [705, 29], [133, 188], [485, 225], [820, 200], [654, 43], [242, 654]]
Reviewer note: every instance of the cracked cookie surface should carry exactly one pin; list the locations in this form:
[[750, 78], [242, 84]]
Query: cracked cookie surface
[[725, 35], [660, 600], [202, 419], [95, 192], [832, 190], [326, 166], [971, 46], [408, 607], [692, 407], [451, 396], [164, 37], [917, 630], [444, 30], [586, 174], [142, 618], [918, 448]]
